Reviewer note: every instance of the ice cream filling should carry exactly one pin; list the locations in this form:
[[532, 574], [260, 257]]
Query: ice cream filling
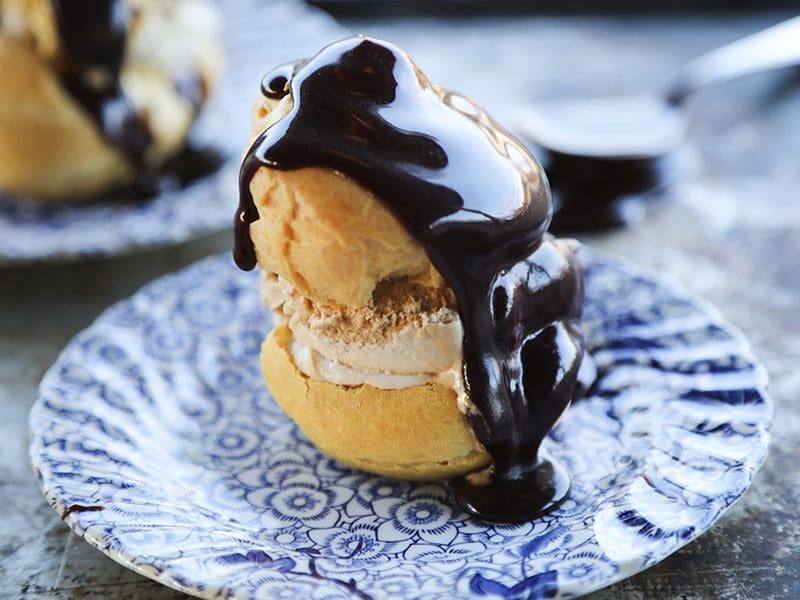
[[427, 349], [316, 366]]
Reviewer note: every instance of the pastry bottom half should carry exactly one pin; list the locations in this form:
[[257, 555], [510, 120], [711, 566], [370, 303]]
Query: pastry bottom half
[[413, 433]]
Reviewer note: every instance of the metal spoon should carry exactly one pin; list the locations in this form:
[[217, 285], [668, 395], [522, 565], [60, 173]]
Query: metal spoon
[[598, 151]]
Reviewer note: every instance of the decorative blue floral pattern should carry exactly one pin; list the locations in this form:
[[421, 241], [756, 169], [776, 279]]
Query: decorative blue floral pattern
[[157, 418], [109, 226]]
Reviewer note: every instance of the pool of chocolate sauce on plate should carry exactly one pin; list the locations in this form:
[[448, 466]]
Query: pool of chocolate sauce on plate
[[93, 36], [480, 205]]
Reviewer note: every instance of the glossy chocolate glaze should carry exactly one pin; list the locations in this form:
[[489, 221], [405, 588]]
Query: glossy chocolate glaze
[[93, 36], [275, 83], [480, 205]]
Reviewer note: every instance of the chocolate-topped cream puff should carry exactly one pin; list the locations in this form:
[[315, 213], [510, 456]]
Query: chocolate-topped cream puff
[[428, 328], [94, 93]]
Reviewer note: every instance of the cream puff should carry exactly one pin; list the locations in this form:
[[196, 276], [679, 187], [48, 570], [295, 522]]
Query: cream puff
[[93, 94], [428, 328]]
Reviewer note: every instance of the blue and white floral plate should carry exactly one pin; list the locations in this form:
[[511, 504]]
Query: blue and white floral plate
[[155, 438], [258, 35]]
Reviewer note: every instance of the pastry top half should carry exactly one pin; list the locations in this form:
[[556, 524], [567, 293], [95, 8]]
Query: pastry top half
[[94, 93], [326, 234]]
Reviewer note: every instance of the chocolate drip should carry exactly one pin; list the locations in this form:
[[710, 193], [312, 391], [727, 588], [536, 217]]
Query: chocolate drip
[[93, 37], [78, 508], [480, 205], [275, 84]]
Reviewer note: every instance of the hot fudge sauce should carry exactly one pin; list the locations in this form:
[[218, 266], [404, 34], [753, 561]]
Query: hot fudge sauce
[[274, 85], [480, 205]]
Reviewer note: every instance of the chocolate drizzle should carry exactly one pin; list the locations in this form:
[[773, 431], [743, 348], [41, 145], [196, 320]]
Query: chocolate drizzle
[[480, 205], [79, 508], [93, 38], [275, 84]]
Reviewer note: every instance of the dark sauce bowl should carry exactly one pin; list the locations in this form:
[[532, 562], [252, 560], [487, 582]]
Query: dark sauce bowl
[[595, 194], [607, 159]]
